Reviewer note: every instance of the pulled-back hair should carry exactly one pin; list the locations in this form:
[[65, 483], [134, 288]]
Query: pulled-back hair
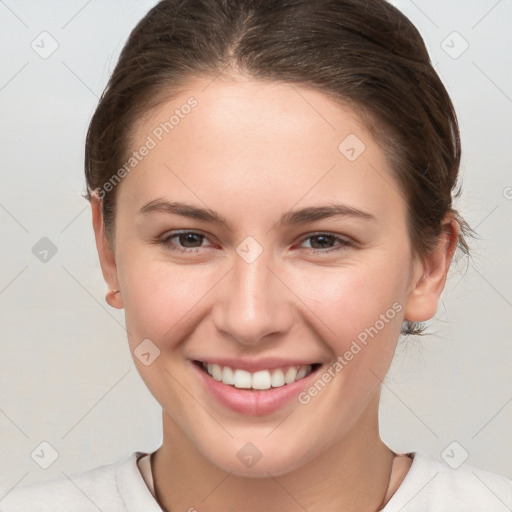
[[365, 54]]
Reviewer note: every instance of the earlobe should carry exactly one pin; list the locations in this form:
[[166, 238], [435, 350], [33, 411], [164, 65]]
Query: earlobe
[[430, 275], [106, 255], [112, 299]]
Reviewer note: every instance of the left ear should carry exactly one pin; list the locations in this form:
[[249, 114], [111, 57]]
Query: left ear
[[431, 273]]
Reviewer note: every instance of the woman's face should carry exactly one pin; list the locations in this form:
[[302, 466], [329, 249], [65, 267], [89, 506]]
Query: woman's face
[[297, 254]]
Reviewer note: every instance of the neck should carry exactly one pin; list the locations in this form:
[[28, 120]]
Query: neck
[[353, 476]]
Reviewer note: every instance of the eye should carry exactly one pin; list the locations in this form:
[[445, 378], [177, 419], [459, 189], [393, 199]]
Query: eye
[[192, 241], [323, 242], [183, 241]]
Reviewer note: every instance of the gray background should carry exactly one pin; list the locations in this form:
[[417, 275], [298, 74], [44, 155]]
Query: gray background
[[67, 377]]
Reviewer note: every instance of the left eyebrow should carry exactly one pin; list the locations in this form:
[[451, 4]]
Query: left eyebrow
[[302, 216], [313, 213]]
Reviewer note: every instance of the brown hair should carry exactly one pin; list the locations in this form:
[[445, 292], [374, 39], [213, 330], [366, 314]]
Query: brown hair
[[365, 54]]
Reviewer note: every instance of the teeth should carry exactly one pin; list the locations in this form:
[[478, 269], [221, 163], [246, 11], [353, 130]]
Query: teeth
[[264, 379], [228, 376], [290, 375], [242, 379], [277, 378], [216, 372], [261, 380]]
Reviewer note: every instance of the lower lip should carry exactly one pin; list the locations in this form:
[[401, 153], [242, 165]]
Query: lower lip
[[253, 402]]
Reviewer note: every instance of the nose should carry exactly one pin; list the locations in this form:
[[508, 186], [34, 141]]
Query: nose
[[252, 302]]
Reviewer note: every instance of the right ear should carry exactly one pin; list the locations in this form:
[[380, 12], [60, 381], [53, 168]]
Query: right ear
[[106, 254]]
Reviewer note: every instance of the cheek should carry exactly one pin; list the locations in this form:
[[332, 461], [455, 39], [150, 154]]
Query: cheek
[[159, 296], [353, 299]]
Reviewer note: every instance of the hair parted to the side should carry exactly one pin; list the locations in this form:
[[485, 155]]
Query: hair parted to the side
[[365, 54]]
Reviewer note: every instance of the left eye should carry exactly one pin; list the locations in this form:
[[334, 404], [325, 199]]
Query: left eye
[[326, 241]]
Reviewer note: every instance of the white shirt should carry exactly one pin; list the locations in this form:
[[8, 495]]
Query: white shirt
[[429, 486]]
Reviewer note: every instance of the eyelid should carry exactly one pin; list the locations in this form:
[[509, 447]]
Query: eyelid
[[345, 241]]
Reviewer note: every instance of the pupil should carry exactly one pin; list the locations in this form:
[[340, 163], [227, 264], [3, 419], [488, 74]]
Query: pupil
[[327, 239], [189, 237]]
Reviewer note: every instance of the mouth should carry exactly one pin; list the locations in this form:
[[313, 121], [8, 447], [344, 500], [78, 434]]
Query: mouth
[[260, 380]]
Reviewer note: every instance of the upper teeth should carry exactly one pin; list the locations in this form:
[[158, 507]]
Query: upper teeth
[[264, 379]]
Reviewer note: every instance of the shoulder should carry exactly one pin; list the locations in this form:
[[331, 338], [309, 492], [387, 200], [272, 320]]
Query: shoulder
[[434, 485], [100, 488]]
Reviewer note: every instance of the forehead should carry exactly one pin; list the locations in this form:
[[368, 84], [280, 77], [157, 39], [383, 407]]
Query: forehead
[[265, 142]]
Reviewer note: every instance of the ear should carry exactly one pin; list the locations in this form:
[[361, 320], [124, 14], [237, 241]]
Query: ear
[[429, 277], [106, 254]]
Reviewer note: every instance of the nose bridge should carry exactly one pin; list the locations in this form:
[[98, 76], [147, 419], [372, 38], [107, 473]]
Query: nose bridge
[[252, 304]]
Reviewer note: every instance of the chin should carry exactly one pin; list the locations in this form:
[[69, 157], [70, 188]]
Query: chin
[[250, 462]]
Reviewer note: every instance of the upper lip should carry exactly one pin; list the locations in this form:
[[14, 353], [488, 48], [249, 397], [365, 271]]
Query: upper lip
[[256, 365]]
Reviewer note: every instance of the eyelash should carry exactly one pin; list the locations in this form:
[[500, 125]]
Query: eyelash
[[165, 241]]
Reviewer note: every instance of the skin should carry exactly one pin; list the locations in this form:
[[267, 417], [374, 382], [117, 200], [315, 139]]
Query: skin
[[251, 151]]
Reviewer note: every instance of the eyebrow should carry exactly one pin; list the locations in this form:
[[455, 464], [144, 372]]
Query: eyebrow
[[302, 216]]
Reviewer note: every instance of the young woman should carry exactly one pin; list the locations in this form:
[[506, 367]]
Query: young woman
[[271, 185]]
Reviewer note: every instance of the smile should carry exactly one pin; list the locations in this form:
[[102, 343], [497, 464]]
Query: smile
[[260, 380]]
